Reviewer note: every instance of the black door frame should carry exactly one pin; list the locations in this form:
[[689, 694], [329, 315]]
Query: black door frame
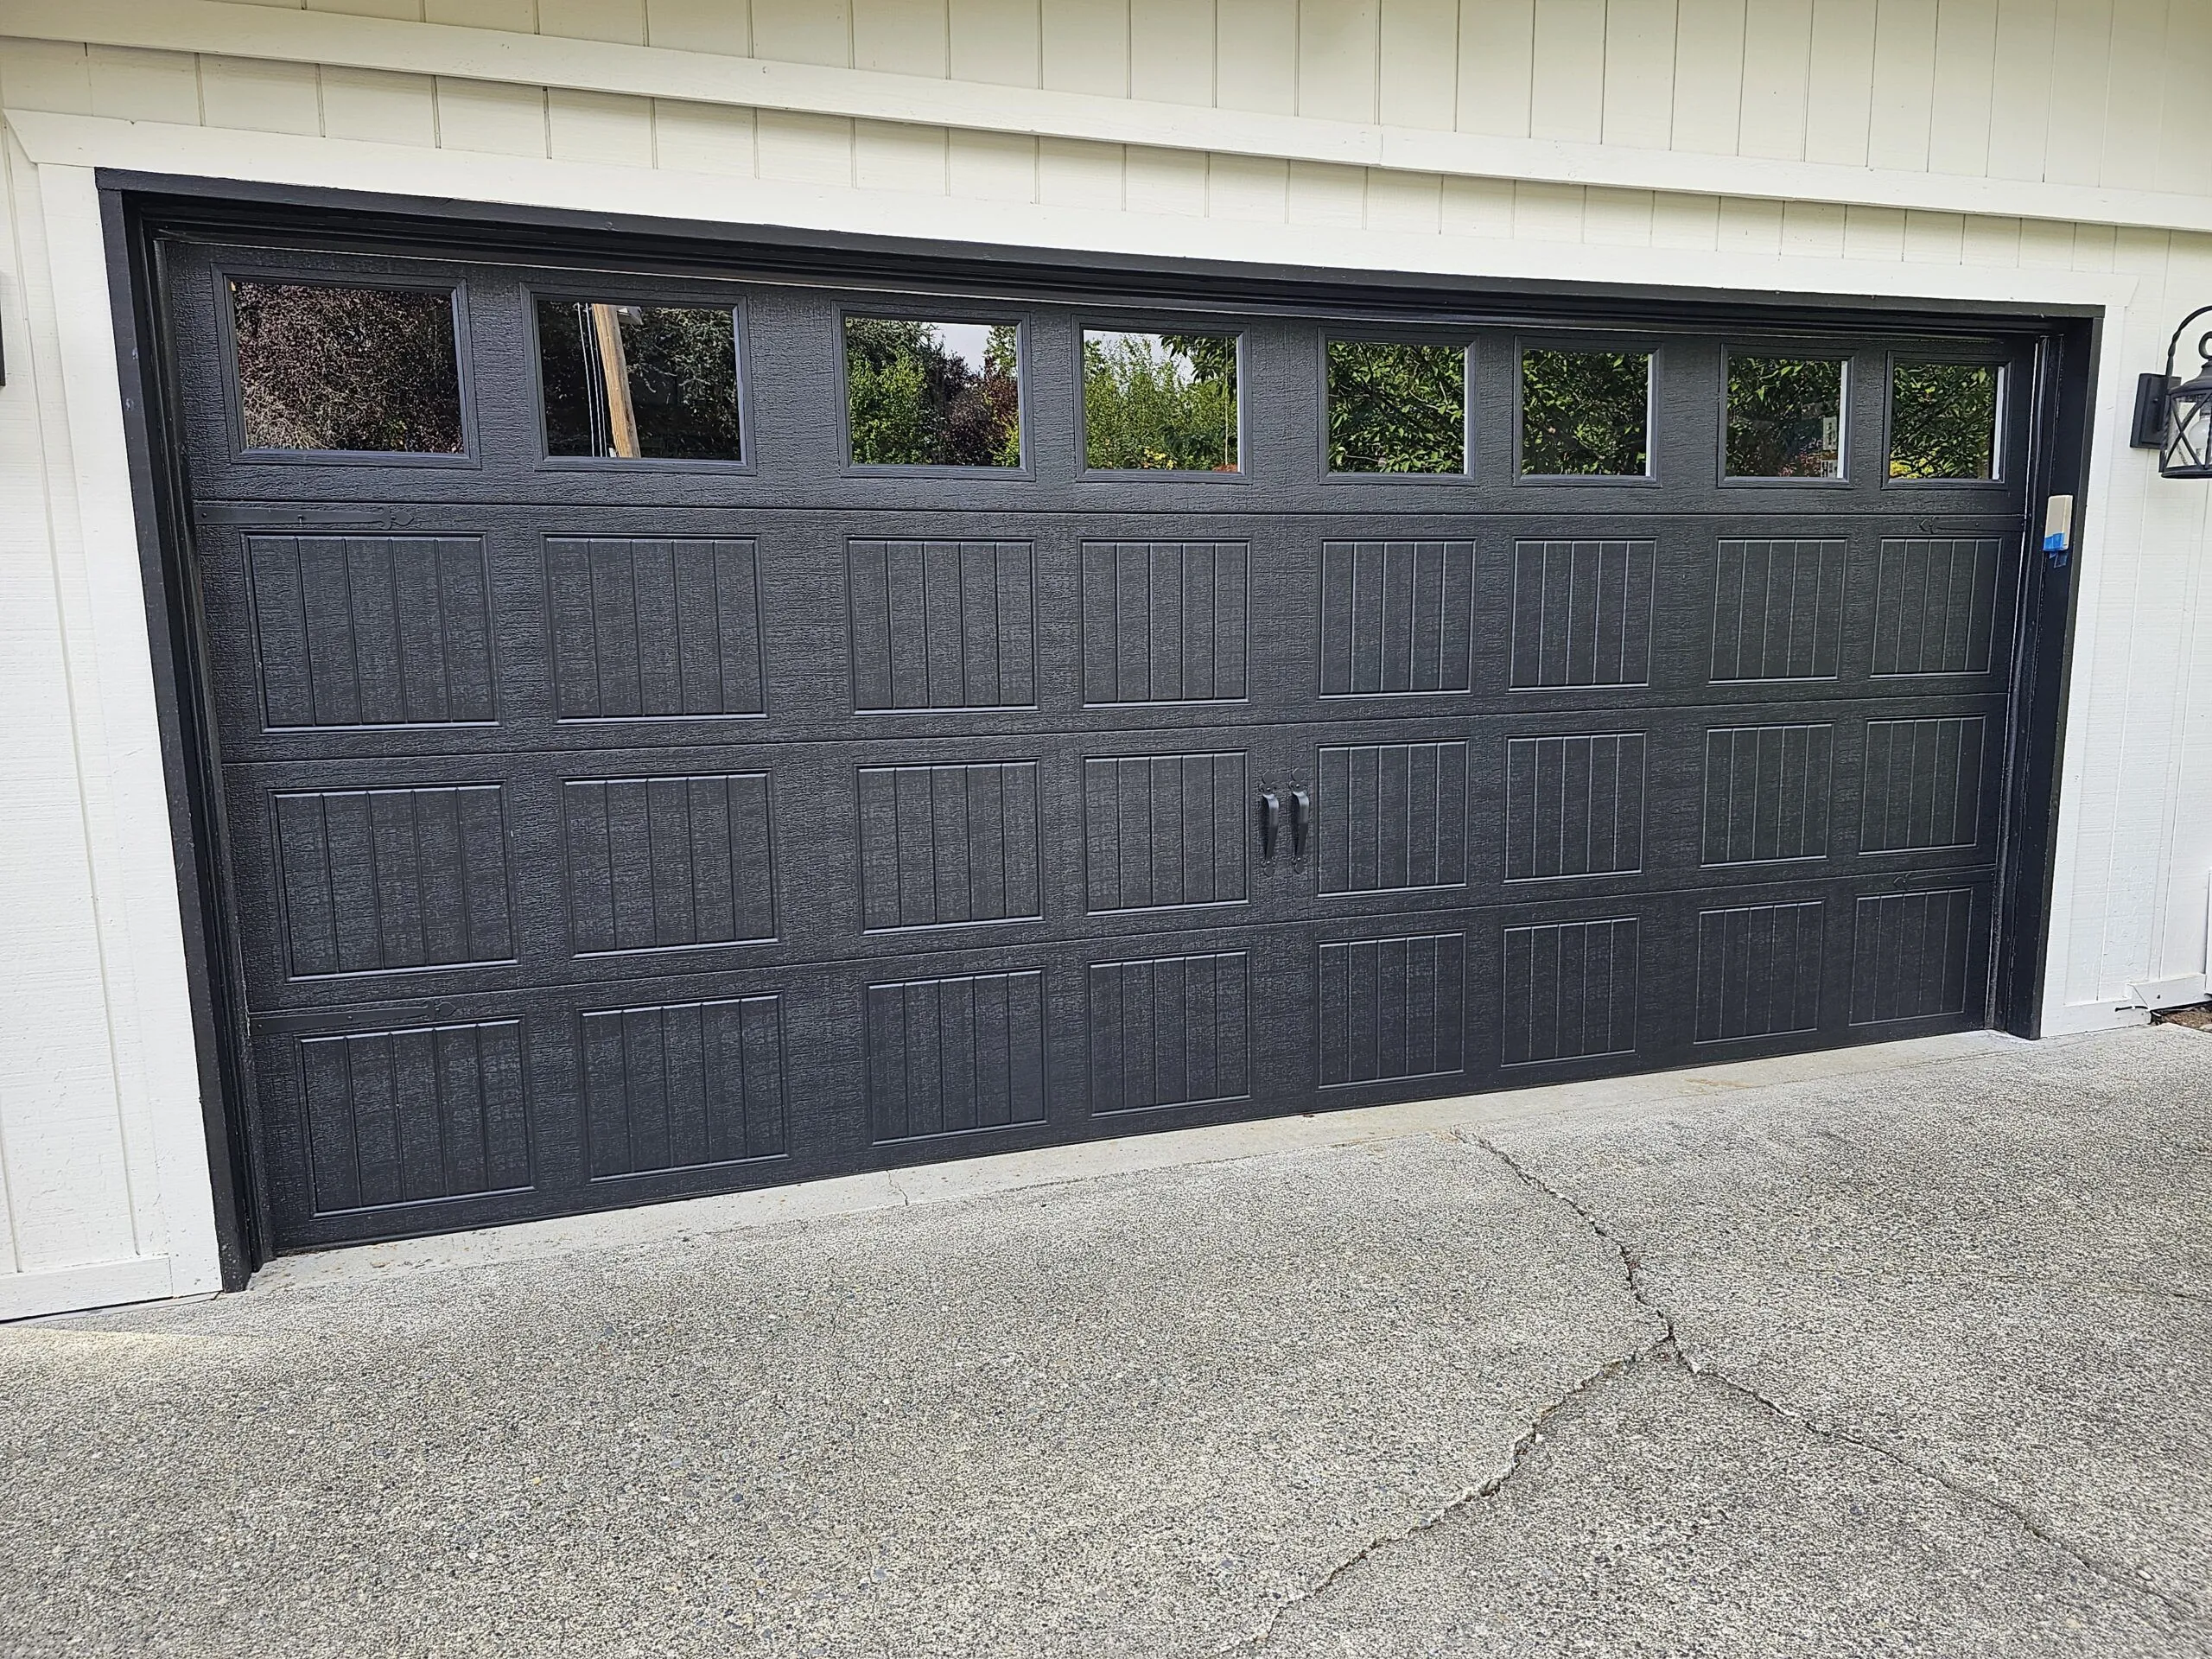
[[140, 210]]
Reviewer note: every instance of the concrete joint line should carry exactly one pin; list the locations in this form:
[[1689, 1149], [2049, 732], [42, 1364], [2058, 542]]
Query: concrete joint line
[[1669, 1347]]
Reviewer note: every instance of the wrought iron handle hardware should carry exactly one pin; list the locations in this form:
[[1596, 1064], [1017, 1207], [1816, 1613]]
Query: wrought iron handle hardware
[[1270, 822], [1301, 819]]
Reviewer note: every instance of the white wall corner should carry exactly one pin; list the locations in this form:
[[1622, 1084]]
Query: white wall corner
[[150, 1028]]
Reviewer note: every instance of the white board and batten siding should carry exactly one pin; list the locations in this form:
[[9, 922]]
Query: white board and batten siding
[[2002, 150]]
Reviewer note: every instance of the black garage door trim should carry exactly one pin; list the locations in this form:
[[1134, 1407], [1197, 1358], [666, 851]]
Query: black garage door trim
[[2051, 353]]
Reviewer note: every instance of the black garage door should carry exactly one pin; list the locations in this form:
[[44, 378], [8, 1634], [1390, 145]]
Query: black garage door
[[630, 793]]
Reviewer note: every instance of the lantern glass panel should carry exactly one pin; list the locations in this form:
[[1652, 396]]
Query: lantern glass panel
[[2188, 451]]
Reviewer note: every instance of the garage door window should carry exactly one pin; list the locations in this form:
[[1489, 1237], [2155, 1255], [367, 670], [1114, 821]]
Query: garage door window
[[933, 394], [1785, 417], [1397, 407], [1585, 413], [1159, 403], [1942, 421], [639, 382], [326, 367]]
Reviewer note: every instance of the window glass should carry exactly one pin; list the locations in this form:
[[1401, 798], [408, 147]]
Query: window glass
[[1396, 408], [657, 382], [1585, 413], [933, 394], [1159, 402], [1785, 417], [324, 367], [1944, 420]]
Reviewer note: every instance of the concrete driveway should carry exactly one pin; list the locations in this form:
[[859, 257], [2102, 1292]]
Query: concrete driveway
[[1908, 1355]]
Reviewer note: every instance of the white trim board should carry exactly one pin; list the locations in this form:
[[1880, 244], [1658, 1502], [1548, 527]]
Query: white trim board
[[53, 139], [280, 34], [98, 1284]]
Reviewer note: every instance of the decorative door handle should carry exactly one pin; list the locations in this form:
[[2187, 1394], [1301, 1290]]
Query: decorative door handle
[[1301, 817], [1270, 822]]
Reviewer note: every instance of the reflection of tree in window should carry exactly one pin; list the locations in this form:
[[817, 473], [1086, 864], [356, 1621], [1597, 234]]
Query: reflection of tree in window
[[657, 381], [1585, 414], [1785, 417], [1396, 408], [324, 367], [916, 401], [1943, 420], [1164, 402]]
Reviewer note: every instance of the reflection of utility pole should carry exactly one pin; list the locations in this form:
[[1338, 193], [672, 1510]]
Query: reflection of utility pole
[[614, 375]]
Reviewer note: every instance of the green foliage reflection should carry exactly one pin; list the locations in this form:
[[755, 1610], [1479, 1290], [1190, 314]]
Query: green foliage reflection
[[1785, 417], [1585, 414], [1159, 402], [1943, 420], [1396, 408], [915, 402]]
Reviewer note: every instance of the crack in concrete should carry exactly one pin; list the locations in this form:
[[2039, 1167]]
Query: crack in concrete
[[1667, 1348], [1530, 1440]]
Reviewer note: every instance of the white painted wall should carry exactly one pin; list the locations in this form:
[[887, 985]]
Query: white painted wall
[[2039, 150]]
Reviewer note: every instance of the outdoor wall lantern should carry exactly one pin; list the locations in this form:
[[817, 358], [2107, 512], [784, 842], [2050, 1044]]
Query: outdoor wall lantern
[[2175, 417]]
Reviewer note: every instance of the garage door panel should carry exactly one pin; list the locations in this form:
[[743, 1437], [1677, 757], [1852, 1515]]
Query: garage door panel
[[375, 880], [391, 1118], [574, 867], [463, 871], [345, 637], [1760, 969], [1914, 959], [1168, 830], [960, 1052], [464, 632], [1572, 990], [1169, 1031], [1629, 610], [1119, 834], [450, 1112], [1596, 801], [1719, 973], [610, 829], [1941, 606], [1397, 617], [1390, 1008], [1579, 612]]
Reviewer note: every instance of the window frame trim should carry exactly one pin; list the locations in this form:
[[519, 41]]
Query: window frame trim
[[1466, 346], [2000, 425], [1846, 429], [455, 286], [1236, 328], [747, 434], [1025, 429], [1649, 347]]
